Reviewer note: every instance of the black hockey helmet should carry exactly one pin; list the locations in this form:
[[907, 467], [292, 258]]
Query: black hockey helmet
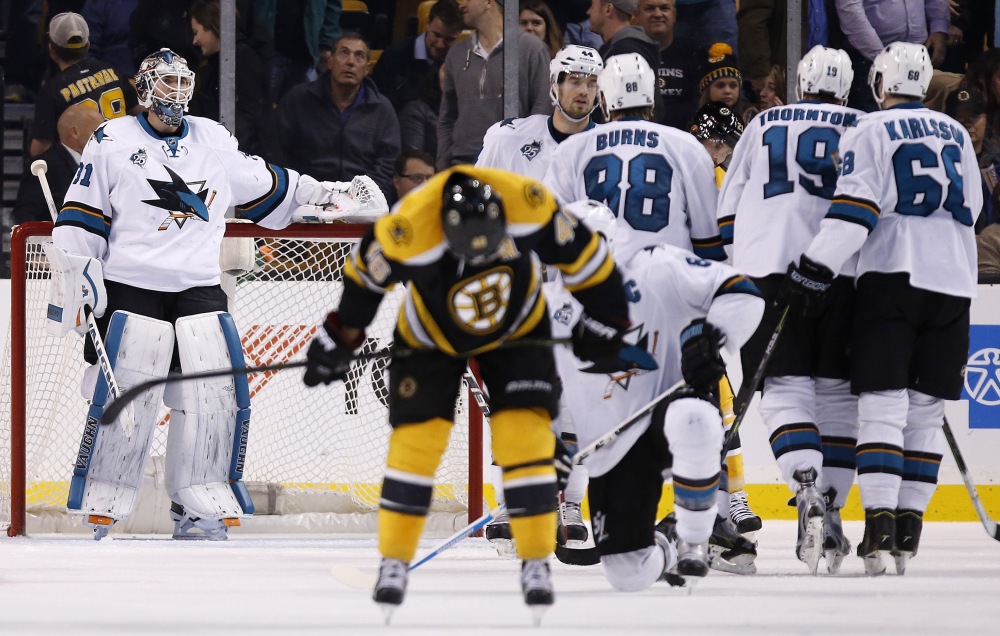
[[473, 217], [716, 120]]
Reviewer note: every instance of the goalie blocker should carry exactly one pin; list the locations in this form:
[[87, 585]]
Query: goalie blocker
[[207, 438]]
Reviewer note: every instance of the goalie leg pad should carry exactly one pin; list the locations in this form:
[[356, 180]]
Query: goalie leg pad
[[209, 421], [109, 465]]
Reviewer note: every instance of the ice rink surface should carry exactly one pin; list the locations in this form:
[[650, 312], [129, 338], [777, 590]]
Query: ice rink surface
[[277, 585]]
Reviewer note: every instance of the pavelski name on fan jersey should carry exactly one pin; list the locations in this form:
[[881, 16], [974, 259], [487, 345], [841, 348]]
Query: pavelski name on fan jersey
[[523, 146], [659, 182], [779, 184], [667, 288], [908, 197], [153, 208]]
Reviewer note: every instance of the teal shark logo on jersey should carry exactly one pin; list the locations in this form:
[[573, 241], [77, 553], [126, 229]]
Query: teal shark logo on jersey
[[635, 354], [176, 197], [99, 135]]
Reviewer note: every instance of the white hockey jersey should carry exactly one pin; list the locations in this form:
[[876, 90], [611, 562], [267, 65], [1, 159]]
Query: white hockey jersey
[[907, 197], [523, 146], [667, 288], [152, 208], [659, 182], [779, 184]]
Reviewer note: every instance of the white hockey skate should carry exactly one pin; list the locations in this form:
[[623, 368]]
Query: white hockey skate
[[835, 543], [188, 528], [536, 585], [571, 531], [811, 508], [692, 563], [729, 551]]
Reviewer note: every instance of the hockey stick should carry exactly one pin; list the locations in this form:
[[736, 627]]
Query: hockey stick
[[354, 577], [39, 168], [742, 401], [988, 523], [112, 409]]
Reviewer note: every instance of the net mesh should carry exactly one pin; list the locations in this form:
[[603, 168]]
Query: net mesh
[[319, 451]]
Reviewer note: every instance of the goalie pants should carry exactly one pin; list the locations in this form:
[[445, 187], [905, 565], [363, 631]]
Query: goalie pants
[[523, 389], [168, 306]]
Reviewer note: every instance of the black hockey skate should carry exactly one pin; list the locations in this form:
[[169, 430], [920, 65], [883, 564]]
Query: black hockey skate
[[729, 551], [665, 535], [746, 520], [835, 543], [498, 533], [880, 530], [571, 530], [536, 585], [390, 588], [909, 523], [811, 508]]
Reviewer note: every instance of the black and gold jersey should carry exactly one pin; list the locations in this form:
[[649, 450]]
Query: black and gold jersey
[[462, 308], [89, 81]]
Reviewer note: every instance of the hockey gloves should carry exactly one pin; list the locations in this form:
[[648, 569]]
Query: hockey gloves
[[701, 361], [329, 356], [563, 463], [603, 344], [804, 288]]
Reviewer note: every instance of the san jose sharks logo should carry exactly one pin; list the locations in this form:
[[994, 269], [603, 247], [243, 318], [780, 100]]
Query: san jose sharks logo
[[177, 198], [531, 150]]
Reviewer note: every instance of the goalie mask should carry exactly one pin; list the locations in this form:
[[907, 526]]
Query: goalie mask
[[902, 68], [165, 85], [473, 217]]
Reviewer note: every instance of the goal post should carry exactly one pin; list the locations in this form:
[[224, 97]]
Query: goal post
[[315, 457]]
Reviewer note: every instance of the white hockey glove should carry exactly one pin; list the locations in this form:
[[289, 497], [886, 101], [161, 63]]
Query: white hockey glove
[[77, 282], [360, 201]]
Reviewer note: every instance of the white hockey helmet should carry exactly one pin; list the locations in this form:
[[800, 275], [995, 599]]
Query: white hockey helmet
[[904, 68], [597, 217], [165, 85], [572, 58], [824, 71], [627, 81]]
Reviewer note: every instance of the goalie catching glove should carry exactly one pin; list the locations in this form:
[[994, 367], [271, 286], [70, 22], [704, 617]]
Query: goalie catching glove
[[360, 200], [330, 352], [701, 362], [77, 283]]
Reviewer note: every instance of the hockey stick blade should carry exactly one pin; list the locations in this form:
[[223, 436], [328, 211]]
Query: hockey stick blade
[[577, 556], [988, 523]]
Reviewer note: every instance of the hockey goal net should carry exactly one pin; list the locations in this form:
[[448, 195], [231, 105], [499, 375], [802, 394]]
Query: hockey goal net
[[315, 457]]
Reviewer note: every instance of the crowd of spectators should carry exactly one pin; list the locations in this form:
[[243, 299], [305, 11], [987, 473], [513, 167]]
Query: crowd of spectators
[[313, 96]]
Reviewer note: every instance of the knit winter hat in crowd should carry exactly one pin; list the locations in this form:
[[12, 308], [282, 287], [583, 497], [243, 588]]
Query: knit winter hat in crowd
[[69, 31], [721, 63], [965, 103]]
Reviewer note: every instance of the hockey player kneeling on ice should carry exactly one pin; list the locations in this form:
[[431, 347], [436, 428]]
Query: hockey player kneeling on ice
[[683, 309], [469, 245], [137, 242]]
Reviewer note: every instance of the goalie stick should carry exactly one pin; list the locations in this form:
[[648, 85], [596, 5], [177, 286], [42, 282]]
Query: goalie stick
[[988, 524]]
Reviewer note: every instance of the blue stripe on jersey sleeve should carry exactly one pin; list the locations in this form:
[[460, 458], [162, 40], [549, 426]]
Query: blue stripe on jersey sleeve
[[738, 285], [863, 213], [84, 217], [709, 248], [726, 224], [259, 208]]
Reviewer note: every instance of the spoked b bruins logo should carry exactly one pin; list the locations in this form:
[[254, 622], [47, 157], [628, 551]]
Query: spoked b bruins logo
[[480, 305]]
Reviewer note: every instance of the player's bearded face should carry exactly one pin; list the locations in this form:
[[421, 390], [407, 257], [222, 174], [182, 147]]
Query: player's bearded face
[[577, 94]]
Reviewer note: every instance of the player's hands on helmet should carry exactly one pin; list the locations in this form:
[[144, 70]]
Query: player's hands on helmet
[[330, 352], [701, 362], [804, 289]]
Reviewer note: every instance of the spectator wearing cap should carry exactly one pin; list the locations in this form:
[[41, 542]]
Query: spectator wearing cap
[[401, 72], [721, 80], [612, 20], [472, 100], [80, 80], [967, 106]]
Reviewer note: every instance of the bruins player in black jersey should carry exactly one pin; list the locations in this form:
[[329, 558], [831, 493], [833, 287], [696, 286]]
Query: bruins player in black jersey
[[470, 244]]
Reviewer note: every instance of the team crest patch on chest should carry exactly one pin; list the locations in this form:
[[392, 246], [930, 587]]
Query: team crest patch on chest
[[531, 150], [480, 304], [139, 157]]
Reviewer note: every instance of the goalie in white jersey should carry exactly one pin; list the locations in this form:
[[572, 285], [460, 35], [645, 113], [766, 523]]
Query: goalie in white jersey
[[683, 309], [658, 181], [906, 202], [525, 146], [137, 242], [778, 188]]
